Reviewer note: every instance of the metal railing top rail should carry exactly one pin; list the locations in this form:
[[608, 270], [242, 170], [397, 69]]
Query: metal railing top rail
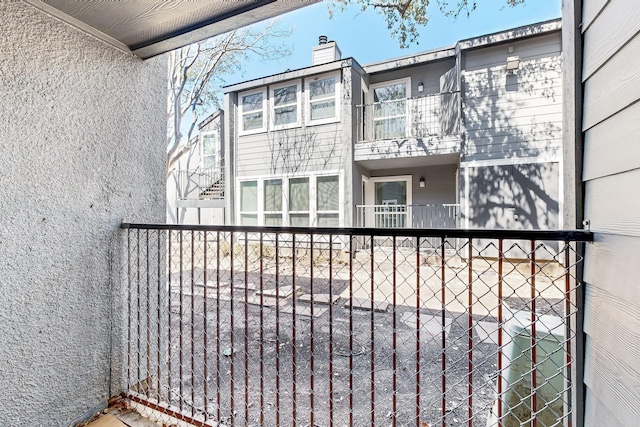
[[550, 235], [428, 95], [218, 167], [413, 205]]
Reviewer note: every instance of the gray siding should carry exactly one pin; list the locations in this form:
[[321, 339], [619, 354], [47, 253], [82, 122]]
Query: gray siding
[[304, 149], [82, 136], [440, 181], [428, 74], [611, 179], [518, 196], [517, 115]]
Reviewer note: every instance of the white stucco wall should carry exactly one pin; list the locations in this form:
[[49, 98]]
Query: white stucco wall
[[82, 128]]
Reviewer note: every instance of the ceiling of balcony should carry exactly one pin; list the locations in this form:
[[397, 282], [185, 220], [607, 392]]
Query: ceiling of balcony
[[148, 28]]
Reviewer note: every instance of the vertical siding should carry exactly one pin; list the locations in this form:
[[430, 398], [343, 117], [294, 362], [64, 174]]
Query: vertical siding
[[611, 179]]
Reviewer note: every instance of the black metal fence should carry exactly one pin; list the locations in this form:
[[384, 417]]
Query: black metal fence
[[311, 327]]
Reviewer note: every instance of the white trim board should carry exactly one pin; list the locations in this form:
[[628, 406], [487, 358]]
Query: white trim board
[[510, 161]]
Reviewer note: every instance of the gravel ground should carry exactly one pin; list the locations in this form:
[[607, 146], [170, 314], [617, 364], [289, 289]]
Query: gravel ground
[[246, 364]]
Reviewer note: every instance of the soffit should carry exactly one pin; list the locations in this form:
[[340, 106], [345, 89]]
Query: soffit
[[148, 28]]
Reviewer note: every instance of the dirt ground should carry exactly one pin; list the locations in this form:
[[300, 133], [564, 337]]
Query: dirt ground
[[248, 360]]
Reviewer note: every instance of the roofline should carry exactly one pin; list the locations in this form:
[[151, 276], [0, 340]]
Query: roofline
[[432, 55], [209, 119], [294, 74], [523, 32], [499, 37]]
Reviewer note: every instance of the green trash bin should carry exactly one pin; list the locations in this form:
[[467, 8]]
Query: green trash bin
[[551, 375]]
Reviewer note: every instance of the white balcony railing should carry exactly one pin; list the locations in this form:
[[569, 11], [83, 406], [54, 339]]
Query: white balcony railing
[[407, 216], [194, 184], [419, 117]]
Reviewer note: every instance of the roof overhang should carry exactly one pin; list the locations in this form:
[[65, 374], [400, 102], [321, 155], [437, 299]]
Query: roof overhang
[[507, 36], [147, 28]]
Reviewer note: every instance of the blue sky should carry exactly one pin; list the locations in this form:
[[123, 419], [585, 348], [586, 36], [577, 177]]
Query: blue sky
[[365, 37]]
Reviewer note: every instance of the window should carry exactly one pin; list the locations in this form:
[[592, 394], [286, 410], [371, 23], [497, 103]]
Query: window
[[252, 112], [390, 109], [273, 202], [328, 201], [299, 202], [249, 203], [286, 105], [322, 96], [210, 149]]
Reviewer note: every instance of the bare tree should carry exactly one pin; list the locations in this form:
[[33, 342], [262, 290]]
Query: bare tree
[[197, 72], [404, 17]]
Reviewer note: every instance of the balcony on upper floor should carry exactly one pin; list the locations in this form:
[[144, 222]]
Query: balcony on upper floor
[[409, 127]]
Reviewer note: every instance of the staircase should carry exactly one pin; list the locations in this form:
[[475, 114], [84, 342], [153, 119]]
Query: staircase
[[214, 191], [201, 184]]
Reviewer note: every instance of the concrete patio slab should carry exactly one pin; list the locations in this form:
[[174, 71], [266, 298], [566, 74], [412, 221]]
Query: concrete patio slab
[[323, 299]]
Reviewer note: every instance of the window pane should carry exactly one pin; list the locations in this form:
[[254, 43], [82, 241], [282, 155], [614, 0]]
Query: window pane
[[323, 109], [389, 93], [285, 95], [249, 196], [299, 194], [209, 145], [389, 128], [392, 108], [252, 121], [273, 195], [208, 161], [273, 219], [328, 193], [285, 115], [391, 193], [252, 102], [299, 220], [322, 88], [328, 220], [249, 219]]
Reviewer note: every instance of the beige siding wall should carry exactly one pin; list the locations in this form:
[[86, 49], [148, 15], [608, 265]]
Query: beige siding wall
[[611, 178]]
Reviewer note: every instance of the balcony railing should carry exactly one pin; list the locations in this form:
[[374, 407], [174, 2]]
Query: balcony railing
[[238, 326], [194, 184], [419, 117], [407, 216]]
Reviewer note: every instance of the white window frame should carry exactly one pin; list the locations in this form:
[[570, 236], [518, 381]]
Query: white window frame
[[313, 179], [298, 104], [260, 201], [319, 212], [370, 101], [370, 195], [338, 76], [261, 204], [218, 148], [241, 113]]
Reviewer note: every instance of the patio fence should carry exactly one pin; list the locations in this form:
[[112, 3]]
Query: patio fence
[[248, 326]]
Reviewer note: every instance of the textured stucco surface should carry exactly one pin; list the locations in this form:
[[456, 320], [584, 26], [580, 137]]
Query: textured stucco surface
[[82, 130]]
